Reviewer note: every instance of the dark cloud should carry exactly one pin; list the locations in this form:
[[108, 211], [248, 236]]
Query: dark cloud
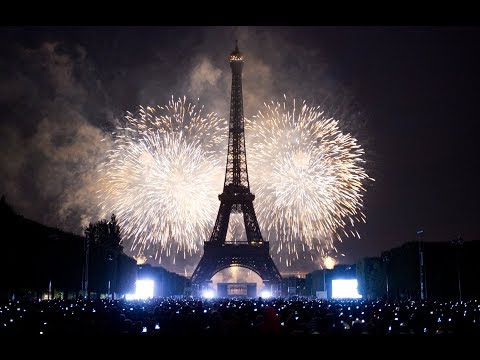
[[52, 131], [65, 90]]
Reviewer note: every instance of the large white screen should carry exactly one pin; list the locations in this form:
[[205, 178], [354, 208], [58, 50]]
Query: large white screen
[[144, 289], [345, 289]]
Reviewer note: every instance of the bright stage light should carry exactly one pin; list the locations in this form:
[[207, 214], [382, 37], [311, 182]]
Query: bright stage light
[[208, 294], [265, 294], [345, 289], [130, 297], [143, 290]]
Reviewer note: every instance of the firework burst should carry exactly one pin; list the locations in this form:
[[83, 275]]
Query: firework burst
[[308, 179], [166, 170], [163, 176]]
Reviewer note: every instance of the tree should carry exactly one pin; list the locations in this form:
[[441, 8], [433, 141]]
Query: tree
[[102, 250], [105, 235], [5, 208]]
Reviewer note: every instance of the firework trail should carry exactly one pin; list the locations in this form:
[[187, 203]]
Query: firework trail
[[163, 176], [308, 179]]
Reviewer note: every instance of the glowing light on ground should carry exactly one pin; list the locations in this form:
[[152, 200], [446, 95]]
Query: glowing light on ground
[[265, 294], [345, 289], [237, 274], [208, 294], [144, 289]]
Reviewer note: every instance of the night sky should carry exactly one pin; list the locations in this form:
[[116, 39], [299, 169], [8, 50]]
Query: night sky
[[410, 96]]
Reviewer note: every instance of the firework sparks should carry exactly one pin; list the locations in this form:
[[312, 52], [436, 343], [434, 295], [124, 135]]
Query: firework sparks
[[308, 179], [163, 177], [167, 167], [328, 262]]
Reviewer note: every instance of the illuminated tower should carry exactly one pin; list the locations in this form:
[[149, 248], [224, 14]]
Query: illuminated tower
[[236, 198]]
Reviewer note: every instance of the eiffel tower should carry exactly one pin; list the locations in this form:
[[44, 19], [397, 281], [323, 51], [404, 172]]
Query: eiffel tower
[[254, 253]]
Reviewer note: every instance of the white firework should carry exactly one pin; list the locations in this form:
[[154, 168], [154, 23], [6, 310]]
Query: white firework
[[308, 178], [163, 177]]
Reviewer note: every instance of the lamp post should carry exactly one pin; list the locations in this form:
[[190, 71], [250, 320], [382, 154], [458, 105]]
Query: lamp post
[[85, 268], [324, 281], [386, 260], [458, 245], [423, 292]]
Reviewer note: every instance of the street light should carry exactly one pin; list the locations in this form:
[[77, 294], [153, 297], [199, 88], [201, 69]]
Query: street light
[[423, 290], [458, 244], [324, 281], [386, 260]]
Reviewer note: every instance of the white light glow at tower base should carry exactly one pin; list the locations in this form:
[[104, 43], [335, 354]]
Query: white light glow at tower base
[[208, 294], [266, 294]]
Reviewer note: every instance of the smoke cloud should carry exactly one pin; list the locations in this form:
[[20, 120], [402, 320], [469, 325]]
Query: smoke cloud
[[203, 75], [63, 93], [51, 149]]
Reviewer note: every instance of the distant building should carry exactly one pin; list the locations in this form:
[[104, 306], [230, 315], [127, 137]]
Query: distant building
[[166, 283], [316, 283], [293, 286], [372, 279], [423, 270], [319, 282]]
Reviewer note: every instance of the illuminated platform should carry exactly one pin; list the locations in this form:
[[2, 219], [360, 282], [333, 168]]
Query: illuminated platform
[[244, 290]]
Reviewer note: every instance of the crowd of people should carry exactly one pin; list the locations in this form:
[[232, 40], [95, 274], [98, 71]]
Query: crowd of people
[[278, 316]]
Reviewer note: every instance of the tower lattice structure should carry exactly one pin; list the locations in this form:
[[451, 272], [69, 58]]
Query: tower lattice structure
[[253, 253]]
